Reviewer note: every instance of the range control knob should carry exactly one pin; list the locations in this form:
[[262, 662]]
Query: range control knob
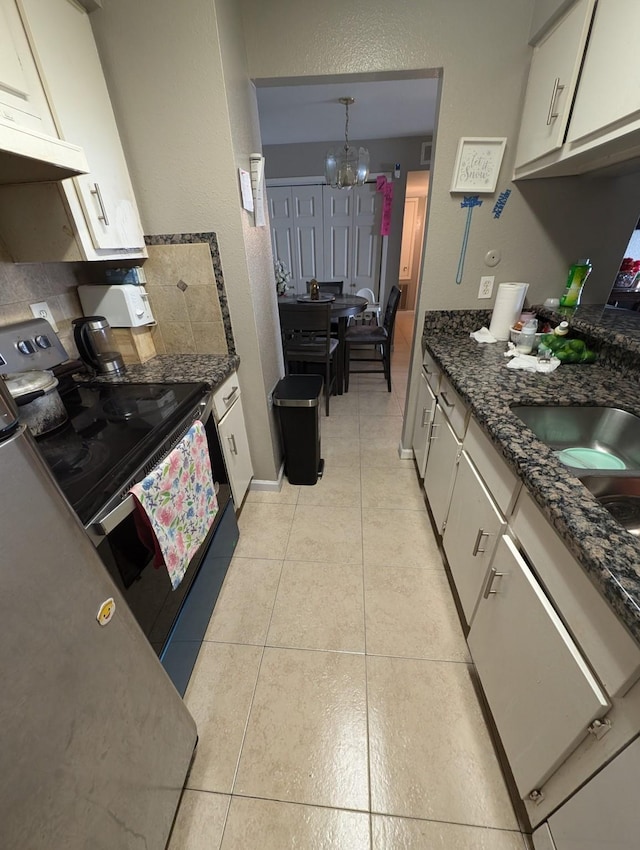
[[25, 346], [42, 341]]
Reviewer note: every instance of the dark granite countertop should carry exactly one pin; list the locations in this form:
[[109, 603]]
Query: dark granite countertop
[[177, 369], [609, 554]]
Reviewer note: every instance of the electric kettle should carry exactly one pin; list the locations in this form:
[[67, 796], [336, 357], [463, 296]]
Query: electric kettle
[[94, 341]]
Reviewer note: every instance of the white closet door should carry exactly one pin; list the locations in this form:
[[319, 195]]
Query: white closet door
[[308, 234], [367, 242], [282, 230], [338, 234]]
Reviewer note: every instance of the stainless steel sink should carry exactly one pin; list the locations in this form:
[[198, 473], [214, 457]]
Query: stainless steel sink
[[620, 495], [587, 438]]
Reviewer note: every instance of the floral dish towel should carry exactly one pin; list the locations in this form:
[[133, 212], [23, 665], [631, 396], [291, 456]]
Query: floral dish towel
[[176, 504]]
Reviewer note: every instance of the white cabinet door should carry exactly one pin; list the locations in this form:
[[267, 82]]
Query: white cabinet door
[[425, 411], [603, 814], [541, 693], [474, 527], [553, 75], [21, 96], [441, 467], [66, 54], [235, 447], [609, 89]]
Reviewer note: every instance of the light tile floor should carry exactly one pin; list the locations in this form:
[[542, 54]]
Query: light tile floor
[[332, 693]]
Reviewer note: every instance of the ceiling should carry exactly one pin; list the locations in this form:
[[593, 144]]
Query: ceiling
[[312, 113]]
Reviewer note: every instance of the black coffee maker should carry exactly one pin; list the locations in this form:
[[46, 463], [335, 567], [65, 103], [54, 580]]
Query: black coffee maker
[[96, 347]]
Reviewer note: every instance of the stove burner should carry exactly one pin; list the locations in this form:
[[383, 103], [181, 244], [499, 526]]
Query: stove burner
[[626, 510], [71, 457]]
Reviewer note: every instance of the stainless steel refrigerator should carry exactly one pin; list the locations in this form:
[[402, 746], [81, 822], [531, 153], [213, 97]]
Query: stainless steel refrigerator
[[95, 742]]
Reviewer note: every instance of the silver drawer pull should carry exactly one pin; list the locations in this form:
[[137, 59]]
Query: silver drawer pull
[[96, 191], [444, 398], [476, 546], [433, 427], [232, 443], [493, 574], [227, 398]]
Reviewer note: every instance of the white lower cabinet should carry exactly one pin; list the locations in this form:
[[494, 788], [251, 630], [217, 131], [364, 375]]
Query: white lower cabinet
[[229, 416], [541, 693], [474, 526], [425, 411], [235, 447], [439, 476]]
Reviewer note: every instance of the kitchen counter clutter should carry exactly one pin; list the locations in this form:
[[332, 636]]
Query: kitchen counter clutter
[[479, 373]]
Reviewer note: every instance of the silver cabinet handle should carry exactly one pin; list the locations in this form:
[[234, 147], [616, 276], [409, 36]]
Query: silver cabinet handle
[[96, 191], [493, 574], [227, 398], [433, 427], [444, 398], [476, 546], [232, 443], [425, 412], [557, 88]]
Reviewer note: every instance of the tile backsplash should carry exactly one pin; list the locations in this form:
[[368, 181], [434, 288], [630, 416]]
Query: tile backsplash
[[22, 284], [184, 299]]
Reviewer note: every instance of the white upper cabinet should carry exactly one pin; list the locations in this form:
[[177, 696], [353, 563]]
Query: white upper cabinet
[[608, 97], [553, 75], [21, 96], [65, 51]]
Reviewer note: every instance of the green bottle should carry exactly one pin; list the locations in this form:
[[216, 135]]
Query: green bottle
[[578, 273]]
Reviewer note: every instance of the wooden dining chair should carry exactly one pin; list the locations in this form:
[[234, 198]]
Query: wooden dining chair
[[334, 287], [379, 337], [306, 338]]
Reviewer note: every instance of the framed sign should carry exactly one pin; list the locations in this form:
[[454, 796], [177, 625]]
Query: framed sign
[[477, 165]]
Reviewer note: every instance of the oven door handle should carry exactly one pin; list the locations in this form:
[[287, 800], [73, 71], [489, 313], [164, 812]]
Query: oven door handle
[[107, 523]]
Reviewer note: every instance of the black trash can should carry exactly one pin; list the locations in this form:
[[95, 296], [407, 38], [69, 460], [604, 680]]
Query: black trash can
[[297, 398]]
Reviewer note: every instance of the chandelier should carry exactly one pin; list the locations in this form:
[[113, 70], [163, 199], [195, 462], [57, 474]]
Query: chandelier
[[346, 166]]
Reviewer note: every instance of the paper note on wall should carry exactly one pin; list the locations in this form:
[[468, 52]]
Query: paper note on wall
[[257, 185], [245, 189]]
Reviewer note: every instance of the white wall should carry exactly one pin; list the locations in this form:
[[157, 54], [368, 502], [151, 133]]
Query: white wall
[[187, 115]]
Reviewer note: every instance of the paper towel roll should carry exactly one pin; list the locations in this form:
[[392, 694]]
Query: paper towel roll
[[507, 309]]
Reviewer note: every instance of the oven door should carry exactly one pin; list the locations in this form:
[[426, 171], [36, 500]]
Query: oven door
[[147, 589]]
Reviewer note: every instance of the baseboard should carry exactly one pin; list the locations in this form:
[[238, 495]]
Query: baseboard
[[405, 454], [266, 485]]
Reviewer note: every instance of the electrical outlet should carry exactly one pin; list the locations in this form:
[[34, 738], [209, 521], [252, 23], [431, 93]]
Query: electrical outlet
[[41, 311], [486, 286]]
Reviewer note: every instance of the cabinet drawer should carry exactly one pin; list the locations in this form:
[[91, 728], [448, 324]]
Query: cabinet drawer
[[611, 650], [225, 395], [501, 481], [432, 371], [454, 407]]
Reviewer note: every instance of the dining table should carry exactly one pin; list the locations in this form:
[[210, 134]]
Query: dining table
[[343, 307]]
